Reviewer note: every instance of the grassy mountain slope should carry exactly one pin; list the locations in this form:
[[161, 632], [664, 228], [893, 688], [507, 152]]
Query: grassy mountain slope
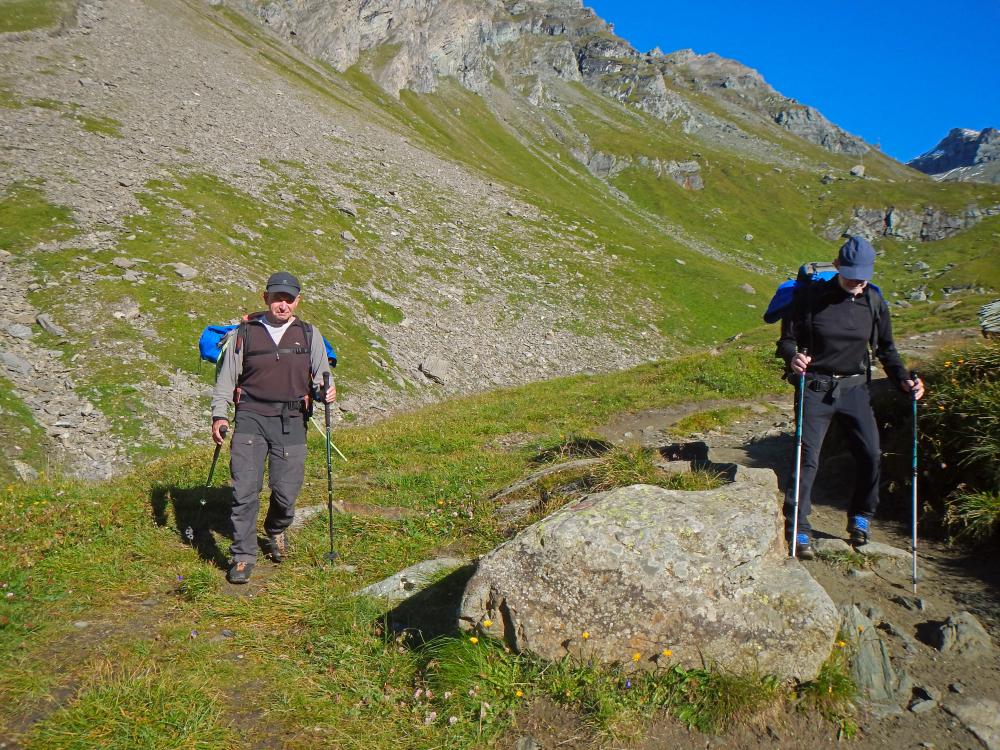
[[477, 235]]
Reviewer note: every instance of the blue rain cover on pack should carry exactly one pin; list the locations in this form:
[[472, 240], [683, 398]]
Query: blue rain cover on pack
[[213, 339]]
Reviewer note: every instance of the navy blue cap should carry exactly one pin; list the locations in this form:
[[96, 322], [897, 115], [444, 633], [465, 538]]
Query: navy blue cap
[[283, 282], [856, 259]]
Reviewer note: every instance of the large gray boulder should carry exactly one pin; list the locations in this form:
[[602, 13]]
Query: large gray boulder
[[642, 570]]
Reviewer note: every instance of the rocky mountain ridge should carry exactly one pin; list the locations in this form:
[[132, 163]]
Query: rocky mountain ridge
[[963, 155], [414, 45]]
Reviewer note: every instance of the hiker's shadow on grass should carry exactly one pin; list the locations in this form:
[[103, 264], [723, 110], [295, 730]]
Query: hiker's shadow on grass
[[428, 614], [188, 513]]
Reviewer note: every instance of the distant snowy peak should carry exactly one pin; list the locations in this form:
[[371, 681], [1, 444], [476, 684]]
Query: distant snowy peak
[[964, 154]]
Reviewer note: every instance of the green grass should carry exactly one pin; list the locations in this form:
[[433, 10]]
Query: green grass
[[712, 419], [138, 708], [25, 15], [959, 427], [312, 655], [833, 692], [475, 686], [24, 439], [974, 516]]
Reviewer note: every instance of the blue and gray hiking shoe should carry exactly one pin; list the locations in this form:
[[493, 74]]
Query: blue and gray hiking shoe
[[858, 529], [803, 547]]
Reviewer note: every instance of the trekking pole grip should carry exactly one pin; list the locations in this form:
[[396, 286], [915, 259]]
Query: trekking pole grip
[[326, 389]]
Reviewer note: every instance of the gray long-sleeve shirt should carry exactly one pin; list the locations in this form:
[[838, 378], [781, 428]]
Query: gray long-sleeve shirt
[[231, 365]]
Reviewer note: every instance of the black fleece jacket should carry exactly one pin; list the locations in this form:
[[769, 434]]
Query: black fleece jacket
[[841, 332]]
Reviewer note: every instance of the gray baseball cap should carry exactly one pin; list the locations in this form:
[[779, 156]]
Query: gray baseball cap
[[283, 282]]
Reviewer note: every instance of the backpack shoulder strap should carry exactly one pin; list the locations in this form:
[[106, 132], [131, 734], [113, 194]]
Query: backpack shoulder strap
[[802, 308], [875, 302]]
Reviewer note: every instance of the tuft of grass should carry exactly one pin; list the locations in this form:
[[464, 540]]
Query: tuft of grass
[[624, 466], [959, 425], [847, 560], [198, 583], [704, 421], [974, 516], [833, 692], [141, 707]]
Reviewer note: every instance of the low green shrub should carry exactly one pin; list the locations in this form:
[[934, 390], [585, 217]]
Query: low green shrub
[[960, 440]]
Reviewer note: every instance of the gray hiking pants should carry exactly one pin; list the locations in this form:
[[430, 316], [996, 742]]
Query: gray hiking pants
[[255, 439]]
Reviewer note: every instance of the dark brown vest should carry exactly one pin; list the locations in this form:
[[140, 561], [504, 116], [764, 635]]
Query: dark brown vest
[[273, 374]]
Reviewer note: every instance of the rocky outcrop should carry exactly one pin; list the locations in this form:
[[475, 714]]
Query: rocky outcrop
[[930, 225], [808, 123], [628, 575], [965, 155]]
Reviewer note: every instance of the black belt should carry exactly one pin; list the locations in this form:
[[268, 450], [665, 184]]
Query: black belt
[[832, 384], [302, 406]]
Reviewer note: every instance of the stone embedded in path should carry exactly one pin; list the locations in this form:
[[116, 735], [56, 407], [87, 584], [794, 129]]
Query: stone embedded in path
[[824, 546], [877, 679], [877, 549], [642, 569], [981, 717], [406, 583], [962, 634]]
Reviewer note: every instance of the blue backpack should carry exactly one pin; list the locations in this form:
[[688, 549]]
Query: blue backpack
[[786, 293], [214, 340]]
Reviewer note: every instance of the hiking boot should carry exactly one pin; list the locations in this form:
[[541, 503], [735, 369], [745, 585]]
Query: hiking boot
[[240, 572], [278, 546], [803, 547], [858, 529]]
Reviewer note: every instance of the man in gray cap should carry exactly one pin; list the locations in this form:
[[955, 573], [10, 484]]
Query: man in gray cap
[[270, 369], [829, 335]]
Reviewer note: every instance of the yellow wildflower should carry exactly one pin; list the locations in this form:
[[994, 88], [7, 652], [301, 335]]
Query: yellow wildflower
[[585, 635], [666, 652], [519, 693], [473, 640], [487, 623], [636, 656], [841, 644]]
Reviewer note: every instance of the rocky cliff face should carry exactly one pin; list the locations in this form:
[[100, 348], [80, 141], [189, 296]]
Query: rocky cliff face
[[965, 155], [413, 44]]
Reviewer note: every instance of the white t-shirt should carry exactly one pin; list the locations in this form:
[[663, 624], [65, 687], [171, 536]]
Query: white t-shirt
[[276, 331]]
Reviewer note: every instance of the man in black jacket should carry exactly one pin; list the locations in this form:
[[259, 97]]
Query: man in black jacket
[[828, 335], [270, 370]]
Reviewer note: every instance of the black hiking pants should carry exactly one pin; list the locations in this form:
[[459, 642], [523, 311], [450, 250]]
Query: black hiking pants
[[257, 439], [826, 400]]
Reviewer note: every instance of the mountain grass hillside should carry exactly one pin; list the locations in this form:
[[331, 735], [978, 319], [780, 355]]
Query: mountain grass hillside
[[546, 203]]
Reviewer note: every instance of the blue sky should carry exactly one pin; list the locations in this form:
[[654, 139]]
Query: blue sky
[[900, 74]]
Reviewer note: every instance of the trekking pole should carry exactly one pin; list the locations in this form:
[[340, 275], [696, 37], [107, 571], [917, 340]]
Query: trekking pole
[[913, 548], [189, 531], [798, 458], [332, 554]]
